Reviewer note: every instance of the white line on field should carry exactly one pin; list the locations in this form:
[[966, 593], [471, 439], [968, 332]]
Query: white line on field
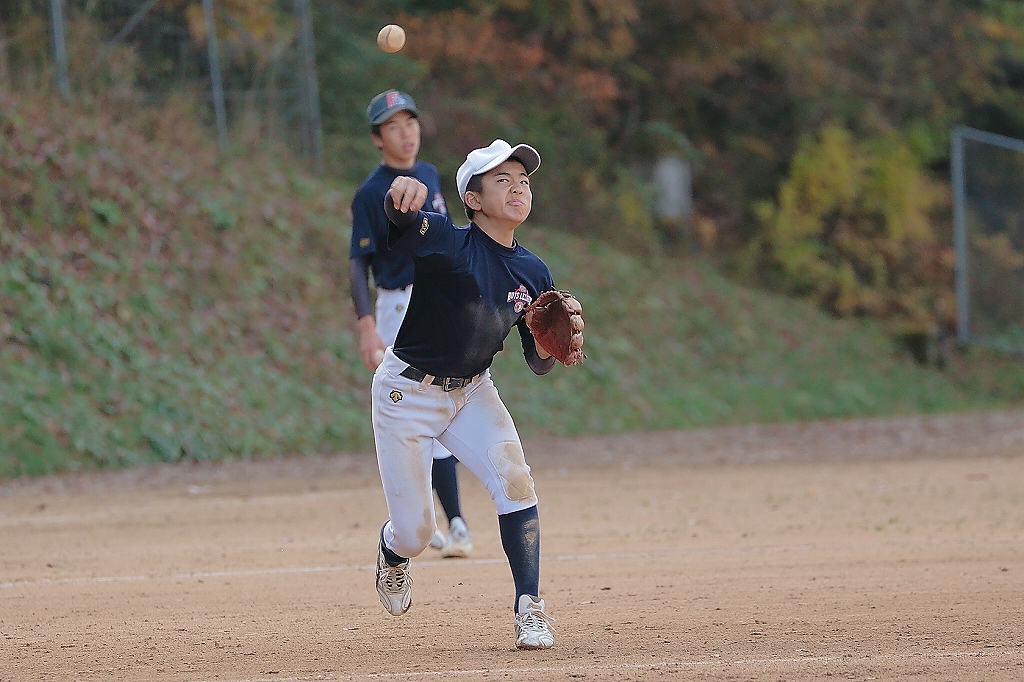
[[47, 582], [660, 665], [305, 569]]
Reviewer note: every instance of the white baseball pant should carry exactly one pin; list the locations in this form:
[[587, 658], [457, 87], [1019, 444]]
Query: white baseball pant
[[391, 307], [471, 422]]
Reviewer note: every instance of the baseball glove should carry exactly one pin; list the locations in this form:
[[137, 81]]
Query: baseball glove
[[556, 321]]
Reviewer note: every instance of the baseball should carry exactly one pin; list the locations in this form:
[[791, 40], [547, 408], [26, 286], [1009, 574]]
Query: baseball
[[391, 38], [378, 356]]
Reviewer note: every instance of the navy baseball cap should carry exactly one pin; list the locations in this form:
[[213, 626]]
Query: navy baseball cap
[[387, 104]]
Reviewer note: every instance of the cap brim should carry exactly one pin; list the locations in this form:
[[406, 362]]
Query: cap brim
[[528, 155], [524, 152]]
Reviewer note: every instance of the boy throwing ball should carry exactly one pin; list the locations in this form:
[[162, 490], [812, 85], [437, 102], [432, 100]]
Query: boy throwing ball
[[472, 284]]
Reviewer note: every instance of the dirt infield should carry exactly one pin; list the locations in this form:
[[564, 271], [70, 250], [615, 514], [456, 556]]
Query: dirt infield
[[868, 550]]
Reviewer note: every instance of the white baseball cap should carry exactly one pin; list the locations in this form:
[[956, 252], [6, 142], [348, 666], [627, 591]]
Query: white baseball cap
[[493, 155]]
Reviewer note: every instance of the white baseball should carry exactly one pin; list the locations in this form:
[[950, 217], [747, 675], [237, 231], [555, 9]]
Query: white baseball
[[391, 38], [378, 356]]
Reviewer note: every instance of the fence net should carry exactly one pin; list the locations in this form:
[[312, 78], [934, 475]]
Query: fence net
[[994, 211], [161, 48]]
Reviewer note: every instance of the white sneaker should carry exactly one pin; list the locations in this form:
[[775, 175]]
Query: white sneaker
[[439, 540], [533, 627], [394, 585], [459, 542]]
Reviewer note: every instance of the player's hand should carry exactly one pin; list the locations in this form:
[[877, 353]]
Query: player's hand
[[371, 347], [408, 194]]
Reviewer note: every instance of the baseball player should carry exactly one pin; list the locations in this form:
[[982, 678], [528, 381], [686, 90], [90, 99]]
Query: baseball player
[[471, 286], [395, 131]]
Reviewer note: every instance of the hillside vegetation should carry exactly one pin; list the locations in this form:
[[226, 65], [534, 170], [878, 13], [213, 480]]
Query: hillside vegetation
[[818, 133], [159, 304]]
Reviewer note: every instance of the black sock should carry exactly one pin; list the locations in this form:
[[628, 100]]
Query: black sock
[[446, 483], [390, 558], [520, 538]]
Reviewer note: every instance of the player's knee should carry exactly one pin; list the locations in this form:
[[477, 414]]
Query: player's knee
[[412, 538], [509, 462]]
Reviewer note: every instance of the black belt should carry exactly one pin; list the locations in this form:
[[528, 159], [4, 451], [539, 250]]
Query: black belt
[[447, 383]]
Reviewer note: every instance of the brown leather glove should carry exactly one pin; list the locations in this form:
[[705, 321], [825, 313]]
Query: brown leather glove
[[556, 321]]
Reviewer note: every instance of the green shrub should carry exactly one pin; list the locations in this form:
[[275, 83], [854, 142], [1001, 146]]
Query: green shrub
[[854, 229]]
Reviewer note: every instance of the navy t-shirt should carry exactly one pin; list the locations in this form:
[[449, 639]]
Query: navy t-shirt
[[391, 269], [468, 293]]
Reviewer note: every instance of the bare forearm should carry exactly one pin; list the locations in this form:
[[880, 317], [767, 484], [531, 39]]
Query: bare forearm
[[371, 347], [367, 324]]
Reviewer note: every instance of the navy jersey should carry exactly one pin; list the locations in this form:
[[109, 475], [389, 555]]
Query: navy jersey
[[391, 269], [468, 293]]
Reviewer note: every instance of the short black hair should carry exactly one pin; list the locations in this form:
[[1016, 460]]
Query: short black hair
[[476, 184]]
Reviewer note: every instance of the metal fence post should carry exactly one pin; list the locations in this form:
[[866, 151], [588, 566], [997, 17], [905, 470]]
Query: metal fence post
[[215, 81], [963, 331], [60, 53], [313, 138]]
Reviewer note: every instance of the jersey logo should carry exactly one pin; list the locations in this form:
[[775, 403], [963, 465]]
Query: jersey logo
[[438, 204], [425, 227], [520, 298], [395, 396], [364, 242]]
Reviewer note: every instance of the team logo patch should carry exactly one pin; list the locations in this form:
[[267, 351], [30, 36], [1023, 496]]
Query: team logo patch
[[520, 298], [364, 242], [425, 227], [394, 98], [395, 396]]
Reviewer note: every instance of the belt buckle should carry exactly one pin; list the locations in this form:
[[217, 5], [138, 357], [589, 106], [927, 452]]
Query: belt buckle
[[451, 383]]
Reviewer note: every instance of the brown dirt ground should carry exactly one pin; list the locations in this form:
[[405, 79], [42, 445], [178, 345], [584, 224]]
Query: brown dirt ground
[[887, 549]]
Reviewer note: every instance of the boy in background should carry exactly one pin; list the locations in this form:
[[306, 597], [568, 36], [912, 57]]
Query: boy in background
[[395, 131]]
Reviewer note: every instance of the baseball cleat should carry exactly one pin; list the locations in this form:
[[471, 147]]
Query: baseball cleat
[[459, 542], [394, 585], [439, 540], [533, 627]]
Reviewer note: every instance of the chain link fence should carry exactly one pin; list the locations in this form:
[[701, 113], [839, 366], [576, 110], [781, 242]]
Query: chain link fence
[[242, 59], [988, 206]]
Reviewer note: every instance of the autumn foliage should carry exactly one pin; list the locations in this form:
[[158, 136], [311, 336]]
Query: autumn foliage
[[758, 96]]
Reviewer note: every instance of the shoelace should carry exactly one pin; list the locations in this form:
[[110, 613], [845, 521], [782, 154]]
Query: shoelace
[[536, 621], [396, 579]]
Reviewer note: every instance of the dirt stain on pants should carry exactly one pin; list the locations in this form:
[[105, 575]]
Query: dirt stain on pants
[[509, 461]]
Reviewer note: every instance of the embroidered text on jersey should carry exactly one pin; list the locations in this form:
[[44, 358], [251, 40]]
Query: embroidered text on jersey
[[426, 226], [520, 298]]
